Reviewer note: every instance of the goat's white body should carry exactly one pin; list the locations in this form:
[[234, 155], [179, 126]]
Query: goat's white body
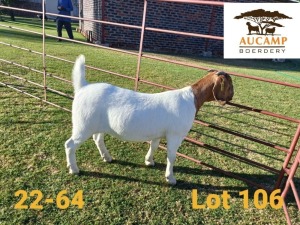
[[132, 116], [128, 115]]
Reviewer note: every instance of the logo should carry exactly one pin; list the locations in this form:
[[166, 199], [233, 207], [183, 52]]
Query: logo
[[263, 20], [260, 30], [264, 25]]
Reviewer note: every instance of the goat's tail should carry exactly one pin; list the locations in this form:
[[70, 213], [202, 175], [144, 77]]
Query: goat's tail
[[78, 74]]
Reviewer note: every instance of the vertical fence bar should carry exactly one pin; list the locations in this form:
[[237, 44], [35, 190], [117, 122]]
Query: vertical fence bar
[[288, 157], [211, 23], [44, 51], [102, 24], [137, 77], [290, 184]]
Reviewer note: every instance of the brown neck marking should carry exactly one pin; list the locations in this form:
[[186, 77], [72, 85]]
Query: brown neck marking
[[203, 90]]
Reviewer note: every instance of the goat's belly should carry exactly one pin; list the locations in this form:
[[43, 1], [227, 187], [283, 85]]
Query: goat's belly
[[135, 125], [147, 130], [139, 134]]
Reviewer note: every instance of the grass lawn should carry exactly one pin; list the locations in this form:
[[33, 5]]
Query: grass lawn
[[32, 137]]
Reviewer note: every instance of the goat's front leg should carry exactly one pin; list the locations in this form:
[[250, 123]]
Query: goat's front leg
[[99, 141], [149, 157], [173, 143]]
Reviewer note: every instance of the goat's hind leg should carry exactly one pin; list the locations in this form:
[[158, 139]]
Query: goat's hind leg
[[149, 157], [99, 141], [70, 148], [173, 143], [71, 145]]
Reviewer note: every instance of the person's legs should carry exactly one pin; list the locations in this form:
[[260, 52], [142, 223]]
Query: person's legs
[[69, 29], [59, 26]]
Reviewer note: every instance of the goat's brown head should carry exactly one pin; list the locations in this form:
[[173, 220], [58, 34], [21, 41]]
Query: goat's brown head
[[215, 86], [223, 88]]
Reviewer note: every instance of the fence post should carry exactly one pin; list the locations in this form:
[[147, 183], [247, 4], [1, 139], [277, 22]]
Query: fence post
[[137, 77], [44, 50], [288, 158]]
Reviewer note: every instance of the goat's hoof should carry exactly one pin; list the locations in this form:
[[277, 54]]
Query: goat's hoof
[[107, 159], [171, 180], [73, 170], [149, 163]]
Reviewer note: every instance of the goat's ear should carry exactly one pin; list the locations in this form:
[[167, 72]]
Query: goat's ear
[[212, 70], [219, 91]]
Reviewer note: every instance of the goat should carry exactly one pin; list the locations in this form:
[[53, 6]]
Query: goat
[[270, 30], [252, 28], [101, 108]]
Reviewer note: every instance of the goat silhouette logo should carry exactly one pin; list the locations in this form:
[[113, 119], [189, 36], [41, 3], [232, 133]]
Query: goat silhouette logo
[[261, 30], [264, 21]]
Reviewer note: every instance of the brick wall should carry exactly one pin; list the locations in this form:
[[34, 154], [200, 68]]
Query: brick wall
[[91, 10], [202, 19]]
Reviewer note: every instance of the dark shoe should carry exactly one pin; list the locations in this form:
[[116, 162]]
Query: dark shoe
[[59, 40]]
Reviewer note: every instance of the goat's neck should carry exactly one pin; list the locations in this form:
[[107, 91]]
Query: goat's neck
[[203, 92]]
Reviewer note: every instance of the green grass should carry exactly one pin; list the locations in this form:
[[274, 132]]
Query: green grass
[[32, 136]]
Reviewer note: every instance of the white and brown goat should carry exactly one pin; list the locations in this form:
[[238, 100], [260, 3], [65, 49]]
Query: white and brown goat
[[102, 108]]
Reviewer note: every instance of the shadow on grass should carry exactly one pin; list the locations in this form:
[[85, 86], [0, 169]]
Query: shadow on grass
[[34, 24], [16, 34], [31, 22], [182, 185], [245, 136], [246, 113], [240, 147], [185, 185], [260, 64]]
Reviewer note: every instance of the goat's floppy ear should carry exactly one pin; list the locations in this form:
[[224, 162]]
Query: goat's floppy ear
[[218, 90], [212, 70]]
